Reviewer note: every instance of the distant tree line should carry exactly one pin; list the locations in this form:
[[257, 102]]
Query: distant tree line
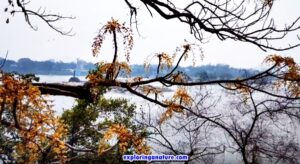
[[48, 67], [51, 67], [202, 73]]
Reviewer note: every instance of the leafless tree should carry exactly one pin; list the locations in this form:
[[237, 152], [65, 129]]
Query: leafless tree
[[20, 6], [185, 134], [254, 128], [242, 20], [263, 129]]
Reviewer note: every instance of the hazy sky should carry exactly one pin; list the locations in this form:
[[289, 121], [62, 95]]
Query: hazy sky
[[157, 34]]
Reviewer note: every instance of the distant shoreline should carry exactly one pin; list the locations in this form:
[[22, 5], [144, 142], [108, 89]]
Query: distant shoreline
[[53, 68]]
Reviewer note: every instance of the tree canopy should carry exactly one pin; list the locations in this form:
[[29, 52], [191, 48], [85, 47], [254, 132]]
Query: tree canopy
[[253, 123]]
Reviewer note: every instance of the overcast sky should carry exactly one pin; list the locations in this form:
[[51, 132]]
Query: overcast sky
[[157, 34]]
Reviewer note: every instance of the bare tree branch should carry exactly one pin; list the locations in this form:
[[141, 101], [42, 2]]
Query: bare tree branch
[[228, 20]]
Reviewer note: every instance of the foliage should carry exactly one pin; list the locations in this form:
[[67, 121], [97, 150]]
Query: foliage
[[113, 27], [285, 77], [87, 121], [31, 127], [32, 132], [253, 124]]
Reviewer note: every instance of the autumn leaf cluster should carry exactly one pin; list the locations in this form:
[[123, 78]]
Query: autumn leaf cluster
[[126, 140], [25, 113]]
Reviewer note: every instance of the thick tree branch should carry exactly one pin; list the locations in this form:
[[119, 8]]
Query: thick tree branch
[[80, 92]]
